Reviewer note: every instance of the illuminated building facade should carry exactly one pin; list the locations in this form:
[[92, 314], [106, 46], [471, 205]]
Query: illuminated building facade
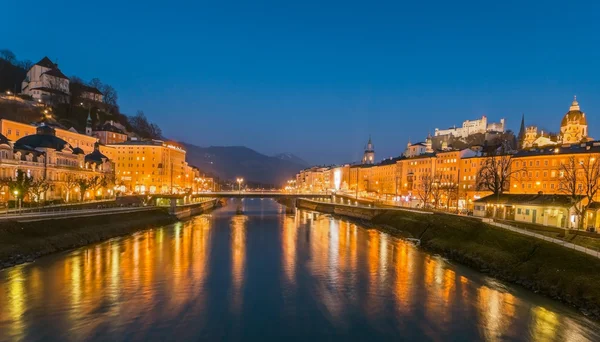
[[14, 131], [539, 159], [45, 156], [152, 167]]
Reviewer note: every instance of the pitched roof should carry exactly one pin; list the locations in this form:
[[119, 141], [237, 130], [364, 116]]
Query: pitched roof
[[96, 156], [584, 147], [46, 62], [108, 127], [3, 139], [56, 73], [92, 90], [531, 199]]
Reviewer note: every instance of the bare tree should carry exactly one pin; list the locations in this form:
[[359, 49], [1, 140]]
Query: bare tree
[[109, 95], [70, 184], [580, 180], [8, 56], [26, 64], [425, 189], [450, 189], [496, 171], [86, 184], [38, 188], [141, 125]]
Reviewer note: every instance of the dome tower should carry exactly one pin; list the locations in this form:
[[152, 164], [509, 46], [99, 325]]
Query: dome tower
[[574, 127]]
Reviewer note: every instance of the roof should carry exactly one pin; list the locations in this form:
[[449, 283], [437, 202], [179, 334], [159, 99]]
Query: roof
[[390, 161], [89, 89], [46, 62], [44, 138], [140, 142], [96, 156], [3, 139], [584, 147], [531, 199], [78, 150], [108, 127], [574, 115], [56, 73]]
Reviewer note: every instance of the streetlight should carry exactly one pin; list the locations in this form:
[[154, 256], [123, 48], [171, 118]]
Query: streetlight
[[16, 193], [240, 181]]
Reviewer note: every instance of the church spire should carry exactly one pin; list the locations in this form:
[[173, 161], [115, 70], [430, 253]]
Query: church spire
[[521, 135], [88, 124], [369, 155]]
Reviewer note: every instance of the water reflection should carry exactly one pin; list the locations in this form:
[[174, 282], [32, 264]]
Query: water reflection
[[268, 275]]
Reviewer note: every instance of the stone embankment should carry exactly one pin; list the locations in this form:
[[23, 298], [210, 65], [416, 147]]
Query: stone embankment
[[560, 273]]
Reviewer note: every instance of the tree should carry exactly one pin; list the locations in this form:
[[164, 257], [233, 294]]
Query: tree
[[436, 192], [580, 180], [425, 189], [139, 123], [26, 64], [70, 184], [109, 95], [450, 189], [38, 187], [496, 171], [8, 56], [19, 185], [86, 184]]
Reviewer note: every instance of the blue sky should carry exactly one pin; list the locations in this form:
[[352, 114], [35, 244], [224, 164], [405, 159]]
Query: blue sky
[[316, 78]]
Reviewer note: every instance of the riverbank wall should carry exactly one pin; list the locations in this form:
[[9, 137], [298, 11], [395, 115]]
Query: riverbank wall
[[560, 273], [25, 240]]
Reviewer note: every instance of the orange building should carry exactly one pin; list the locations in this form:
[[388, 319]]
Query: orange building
[[152, 167]]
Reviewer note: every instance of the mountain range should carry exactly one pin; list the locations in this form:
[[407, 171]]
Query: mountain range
[[230, 162]]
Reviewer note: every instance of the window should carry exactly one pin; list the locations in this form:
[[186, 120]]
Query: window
[[519, 211], [526, 211]]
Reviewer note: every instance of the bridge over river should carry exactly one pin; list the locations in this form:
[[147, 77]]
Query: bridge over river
[[260, 194]]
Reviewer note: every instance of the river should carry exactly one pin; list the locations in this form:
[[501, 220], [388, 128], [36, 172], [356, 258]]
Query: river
[[268, 275]]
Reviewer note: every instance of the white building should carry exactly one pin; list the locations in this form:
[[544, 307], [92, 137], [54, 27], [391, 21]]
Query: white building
[[470, 127], [45, 81]]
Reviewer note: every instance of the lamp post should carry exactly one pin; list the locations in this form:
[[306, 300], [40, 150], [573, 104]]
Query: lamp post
[[240, 181], [16, 193]]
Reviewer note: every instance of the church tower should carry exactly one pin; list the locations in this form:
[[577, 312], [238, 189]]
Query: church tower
[[521, 136], [574, 128], [369, 155], [88, 125], [429, 143]]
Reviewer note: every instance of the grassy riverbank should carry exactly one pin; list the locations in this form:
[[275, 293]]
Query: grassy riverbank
[[25, 241], [560, 273]]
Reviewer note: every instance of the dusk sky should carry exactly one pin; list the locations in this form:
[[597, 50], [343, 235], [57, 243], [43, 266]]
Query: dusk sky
[[316, 79]]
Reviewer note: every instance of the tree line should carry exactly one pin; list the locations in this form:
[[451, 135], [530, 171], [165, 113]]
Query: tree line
[[22, 185]]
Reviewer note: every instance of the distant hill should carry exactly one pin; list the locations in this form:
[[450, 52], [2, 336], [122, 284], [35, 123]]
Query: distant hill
[[229, 162], [292, 158]]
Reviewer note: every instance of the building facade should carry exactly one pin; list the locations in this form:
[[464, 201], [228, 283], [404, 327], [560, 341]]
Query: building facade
[[150, 167], [45, 82], [470, 127], [45, 156]]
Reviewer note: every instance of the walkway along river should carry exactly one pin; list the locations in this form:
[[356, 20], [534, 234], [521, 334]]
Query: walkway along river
[[269, 275]]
